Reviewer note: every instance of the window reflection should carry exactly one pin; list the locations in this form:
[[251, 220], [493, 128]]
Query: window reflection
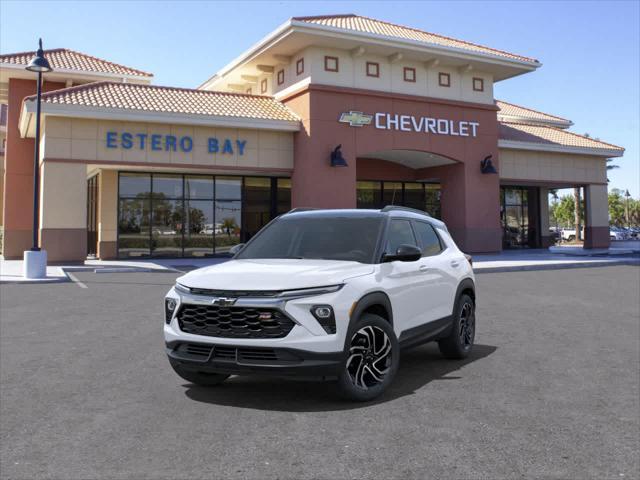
[[194, 215]]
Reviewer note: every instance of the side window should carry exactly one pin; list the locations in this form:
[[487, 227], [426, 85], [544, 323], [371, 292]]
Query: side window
[[400, 233], [429, 240]]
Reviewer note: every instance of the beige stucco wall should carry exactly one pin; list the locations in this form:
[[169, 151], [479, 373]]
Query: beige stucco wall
[[81, 139], [63, 196], [108, 206], [598, 206], [352, 73], [552, 167]]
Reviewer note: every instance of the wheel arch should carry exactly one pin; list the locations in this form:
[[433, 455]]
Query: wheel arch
[[466, 286], [377, 303]]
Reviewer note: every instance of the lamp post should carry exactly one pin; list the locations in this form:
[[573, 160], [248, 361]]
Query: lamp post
[[555, 214], [35, 260], [626, 208]]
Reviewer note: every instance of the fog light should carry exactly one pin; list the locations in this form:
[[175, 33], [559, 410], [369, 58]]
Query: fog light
[[170, 305], [324, 315], [322, 312]]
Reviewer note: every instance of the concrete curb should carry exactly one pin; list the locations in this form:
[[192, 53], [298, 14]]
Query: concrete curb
[[555, 266]]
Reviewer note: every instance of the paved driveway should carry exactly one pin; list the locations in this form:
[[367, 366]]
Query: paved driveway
[[551, 390]]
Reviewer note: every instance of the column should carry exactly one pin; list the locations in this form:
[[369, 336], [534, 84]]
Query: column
[[63, 211], [596, 216], [107, 214], [546, 240], [315, 183]]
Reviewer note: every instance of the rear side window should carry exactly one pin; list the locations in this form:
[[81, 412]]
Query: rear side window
[[429, 240], [400, 233]]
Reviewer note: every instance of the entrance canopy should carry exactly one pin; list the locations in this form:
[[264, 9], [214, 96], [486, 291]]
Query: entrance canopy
[[410, 158]]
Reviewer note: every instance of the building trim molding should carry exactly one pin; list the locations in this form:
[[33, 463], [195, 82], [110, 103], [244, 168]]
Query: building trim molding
[[544, 147], [387, 95]]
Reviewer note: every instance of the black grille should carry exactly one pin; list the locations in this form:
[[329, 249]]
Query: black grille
[[234, 322], [223, 353]]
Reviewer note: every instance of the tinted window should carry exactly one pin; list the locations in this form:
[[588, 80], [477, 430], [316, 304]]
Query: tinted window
[[351, 238], [400, 233], [429, 241]]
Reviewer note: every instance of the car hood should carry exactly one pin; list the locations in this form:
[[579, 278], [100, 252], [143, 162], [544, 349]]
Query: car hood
[[273, 274]]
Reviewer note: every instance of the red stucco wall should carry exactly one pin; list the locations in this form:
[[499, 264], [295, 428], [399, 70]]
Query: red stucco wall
[[470, 200], [18, 178]]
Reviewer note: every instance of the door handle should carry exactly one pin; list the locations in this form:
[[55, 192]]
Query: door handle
[[423, 268], [455, 263]]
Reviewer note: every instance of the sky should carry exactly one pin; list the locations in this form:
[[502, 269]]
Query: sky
[[590, 51]]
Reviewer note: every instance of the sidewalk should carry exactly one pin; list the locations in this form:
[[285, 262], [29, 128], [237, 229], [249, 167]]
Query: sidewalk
[[543, 259], [506, 261]]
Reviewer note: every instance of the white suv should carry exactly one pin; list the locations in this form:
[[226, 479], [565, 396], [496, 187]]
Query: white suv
[[333, 294]]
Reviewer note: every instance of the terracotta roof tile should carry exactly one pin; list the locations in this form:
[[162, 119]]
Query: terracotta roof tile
[[379, 27], [65, 59], [517, 132], [513, 110], [152, 98]]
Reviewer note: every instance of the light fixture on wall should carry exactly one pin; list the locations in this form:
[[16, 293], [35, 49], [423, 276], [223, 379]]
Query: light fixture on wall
[[35, 260], [486, 165], [337, 160]]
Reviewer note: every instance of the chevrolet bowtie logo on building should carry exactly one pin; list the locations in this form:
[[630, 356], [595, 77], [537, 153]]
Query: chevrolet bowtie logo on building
[[356, 119], [224, 301]]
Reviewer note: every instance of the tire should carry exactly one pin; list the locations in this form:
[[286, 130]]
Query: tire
[[459, 343], [364, 376], [571, 238], [203, 379]]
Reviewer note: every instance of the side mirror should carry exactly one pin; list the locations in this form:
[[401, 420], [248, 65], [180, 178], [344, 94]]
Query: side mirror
[[404, 253], [236, 248]]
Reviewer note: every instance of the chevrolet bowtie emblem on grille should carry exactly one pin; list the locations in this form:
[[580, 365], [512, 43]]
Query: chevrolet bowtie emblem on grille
[[355, 119], [224, 301]]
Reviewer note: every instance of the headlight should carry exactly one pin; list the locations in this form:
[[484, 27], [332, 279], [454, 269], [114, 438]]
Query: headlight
[[182, 288], [310, 292]]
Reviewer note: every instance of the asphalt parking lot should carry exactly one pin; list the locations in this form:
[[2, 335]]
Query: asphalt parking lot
[[551, 391]]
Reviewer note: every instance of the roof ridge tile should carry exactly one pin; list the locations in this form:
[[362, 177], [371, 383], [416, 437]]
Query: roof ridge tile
[[424, 32], [532, 110]]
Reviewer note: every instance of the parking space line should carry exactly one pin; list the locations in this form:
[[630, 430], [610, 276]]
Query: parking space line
[[75, 280]]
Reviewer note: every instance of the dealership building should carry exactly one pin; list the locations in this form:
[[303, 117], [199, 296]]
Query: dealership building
[[337, 111]]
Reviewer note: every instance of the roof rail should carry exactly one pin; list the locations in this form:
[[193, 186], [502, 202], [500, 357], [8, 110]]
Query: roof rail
[[390, 208], [301, 209]]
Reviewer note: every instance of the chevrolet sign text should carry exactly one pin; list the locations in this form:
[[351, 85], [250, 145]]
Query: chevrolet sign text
[[410, 123], [438, 126]]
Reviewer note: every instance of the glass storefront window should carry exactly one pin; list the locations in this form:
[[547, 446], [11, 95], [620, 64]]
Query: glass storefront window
[[199, 227], [133, 227], [173, 215], [167, 186], [135, 185], [418, 195], [228, 220], [519, 219], [414, 196], [198, 188], [257, 205], [432, 199], [228, 188], [369, 194], [391, 193], [283, 200]]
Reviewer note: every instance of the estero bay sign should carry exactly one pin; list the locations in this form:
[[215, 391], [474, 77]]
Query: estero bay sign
[[411, 123], [171, 143]]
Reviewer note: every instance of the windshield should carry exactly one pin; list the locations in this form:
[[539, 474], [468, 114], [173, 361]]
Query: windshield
[[351, 238]]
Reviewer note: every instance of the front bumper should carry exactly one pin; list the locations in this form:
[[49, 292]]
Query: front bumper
[[246, 360], [307, 335]]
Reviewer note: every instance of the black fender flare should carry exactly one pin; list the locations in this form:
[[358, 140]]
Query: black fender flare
[[465, 284], [373, 298]]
